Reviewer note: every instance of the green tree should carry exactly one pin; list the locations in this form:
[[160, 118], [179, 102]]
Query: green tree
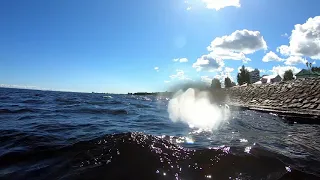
[[227, 82], [243, 76], [288, 75], [215, 83], [315, 69]]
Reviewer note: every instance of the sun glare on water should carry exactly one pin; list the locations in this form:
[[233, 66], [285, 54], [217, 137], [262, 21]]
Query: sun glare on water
[[195, 109]]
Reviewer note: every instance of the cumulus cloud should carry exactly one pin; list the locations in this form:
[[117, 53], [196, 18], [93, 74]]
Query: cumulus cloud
[[182, 60], [225, 54], [237, 45], [208, 63], [293, 60], [180, 75], [166, 81], [220, 4], [304, 40], [226, 72], [279, 70], [188, 8], [284, 50], [156, 68], [241, 41], [284, 35], [271, 56]]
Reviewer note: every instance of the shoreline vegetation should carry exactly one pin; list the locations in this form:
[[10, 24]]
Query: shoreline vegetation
[[296, 99]]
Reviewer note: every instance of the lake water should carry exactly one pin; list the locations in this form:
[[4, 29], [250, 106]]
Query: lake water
[[63, 135]]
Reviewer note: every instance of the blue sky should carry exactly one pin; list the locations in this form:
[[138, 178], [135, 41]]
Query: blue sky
[[122, 46]]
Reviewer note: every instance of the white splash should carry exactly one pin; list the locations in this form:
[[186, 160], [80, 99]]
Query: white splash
[[194, 108]]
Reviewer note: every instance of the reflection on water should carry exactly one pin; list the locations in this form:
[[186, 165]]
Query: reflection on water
[[51, 135]]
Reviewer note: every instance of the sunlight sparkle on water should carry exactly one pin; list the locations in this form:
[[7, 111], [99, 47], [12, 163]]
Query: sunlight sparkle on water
[[194, 108]]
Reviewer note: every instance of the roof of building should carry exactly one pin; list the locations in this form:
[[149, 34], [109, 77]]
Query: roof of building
[[305, 72], [270, 76]]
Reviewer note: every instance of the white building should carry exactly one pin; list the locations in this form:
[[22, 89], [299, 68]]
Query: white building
[[270, 79]]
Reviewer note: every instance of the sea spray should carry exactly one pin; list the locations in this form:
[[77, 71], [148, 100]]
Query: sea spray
[[195, 108]]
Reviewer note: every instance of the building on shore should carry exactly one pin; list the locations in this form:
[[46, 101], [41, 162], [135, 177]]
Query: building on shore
[[254, 76], [307, 73], [270, 79]]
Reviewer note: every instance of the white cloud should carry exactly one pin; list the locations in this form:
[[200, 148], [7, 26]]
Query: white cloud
[[241, 41], [228, 69], [182, 60], [284, 35], [237, 45], [262, 70], [284, 50], [224, 74], [180, 75], [215, 4], [188, 8], [281, 69], [305, 40], [156, 68], [229, 55], [220, 4], [208, 63], [206, 79], [293, 60], [271, 56], [166, 81], [314, 63]]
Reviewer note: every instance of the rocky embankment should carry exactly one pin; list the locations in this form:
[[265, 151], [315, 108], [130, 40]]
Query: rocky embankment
[[296, 97]]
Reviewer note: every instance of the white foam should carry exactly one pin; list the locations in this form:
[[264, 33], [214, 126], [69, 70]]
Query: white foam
[[194, 108]]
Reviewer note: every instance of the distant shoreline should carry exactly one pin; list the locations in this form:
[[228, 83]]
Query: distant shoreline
[[153, 93]]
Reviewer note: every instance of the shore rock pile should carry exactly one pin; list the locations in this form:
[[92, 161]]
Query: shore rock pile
[[296, 96]]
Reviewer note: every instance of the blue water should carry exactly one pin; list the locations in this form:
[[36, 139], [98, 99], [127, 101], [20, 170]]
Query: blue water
[[64, 135]]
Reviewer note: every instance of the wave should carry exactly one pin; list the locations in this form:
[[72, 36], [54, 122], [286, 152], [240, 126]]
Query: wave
[[141, 156], [33, 101], [10, 111], [67, 101], [94, 111]]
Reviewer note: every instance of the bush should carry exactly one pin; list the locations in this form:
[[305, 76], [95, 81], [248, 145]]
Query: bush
[[288, 75], [215, 83], [227, 82], [243, 76]]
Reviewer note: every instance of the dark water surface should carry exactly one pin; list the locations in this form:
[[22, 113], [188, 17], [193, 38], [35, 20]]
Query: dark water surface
[[59, 135]]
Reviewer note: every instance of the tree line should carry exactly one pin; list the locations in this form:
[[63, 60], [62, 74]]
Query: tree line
[[243, 77]]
